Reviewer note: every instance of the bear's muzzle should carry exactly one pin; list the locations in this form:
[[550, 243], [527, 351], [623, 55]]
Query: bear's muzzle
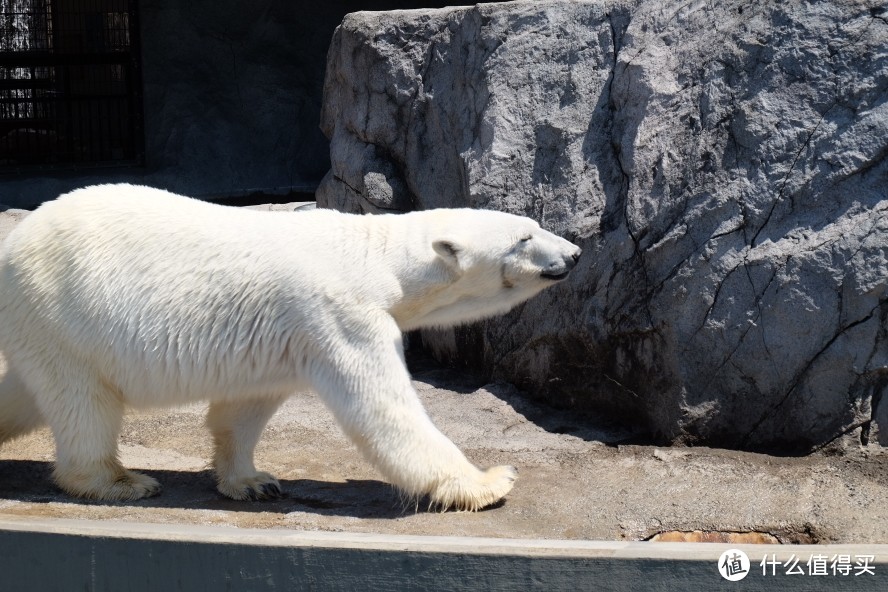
[[558, 270]]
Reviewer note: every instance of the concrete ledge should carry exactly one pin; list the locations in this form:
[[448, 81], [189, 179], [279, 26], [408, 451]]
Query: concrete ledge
[[48, 554]]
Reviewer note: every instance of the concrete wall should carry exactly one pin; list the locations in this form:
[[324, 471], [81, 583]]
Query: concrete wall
[[97, 556], [232, 98]]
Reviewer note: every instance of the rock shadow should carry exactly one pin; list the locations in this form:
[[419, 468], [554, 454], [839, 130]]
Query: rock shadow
[[602, 428]]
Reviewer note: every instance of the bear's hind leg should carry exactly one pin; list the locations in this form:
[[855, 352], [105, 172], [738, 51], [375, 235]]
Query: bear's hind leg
[[85, 415], [236, 427], [19, 414]]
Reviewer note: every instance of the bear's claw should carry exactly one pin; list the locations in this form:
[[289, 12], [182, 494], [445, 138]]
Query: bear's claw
[[270, 491]]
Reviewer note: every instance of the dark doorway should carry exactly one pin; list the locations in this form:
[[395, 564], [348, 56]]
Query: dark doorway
[[70, 86]]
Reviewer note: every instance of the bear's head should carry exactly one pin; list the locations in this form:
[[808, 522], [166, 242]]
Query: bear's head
[[494, 261]]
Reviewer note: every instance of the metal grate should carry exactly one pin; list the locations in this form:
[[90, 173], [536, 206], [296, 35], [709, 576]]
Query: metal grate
[[69, 83]]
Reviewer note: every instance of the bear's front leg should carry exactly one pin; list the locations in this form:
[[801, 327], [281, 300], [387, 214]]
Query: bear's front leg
[[236, 427], [363, 379]]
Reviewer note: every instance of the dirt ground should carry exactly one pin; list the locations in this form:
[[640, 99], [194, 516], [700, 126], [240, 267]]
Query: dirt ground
[[578, 480]]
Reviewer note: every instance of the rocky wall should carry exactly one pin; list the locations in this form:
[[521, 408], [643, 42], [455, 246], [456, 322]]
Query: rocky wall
[[723, 166]]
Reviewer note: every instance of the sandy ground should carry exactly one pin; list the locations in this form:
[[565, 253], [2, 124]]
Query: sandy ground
[[579, 479]]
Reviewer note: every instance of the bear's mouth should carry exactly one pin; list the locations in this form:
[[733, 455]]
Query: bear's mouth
[[555, 276]]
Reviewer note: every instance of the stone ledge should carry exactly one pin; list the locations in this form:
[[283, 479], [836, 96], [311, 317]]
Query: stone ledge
[[106, 555]]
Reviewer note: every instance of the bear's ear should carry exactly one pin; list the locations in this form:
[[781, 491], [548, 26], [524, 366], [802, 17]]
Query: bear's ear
[[448, 251]]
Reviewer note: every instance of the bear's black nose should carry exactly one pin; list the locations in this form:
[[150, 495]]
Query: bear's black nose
[[571, 260]]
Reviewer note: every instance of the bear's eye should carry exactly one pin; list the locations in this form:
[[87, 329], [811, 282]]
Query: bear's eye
[[526, 238]]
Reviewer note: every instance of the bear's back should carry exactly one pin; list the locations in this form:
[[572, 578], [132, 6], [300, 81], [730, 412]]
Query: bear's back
[[161, 290]]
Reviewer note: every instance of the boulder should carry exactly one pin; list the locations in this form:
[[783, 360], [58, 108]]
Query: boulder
[[723, 166]]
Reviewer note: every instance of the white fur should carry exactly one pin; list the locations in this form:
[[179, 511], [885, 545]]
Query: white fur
[[119, 295]]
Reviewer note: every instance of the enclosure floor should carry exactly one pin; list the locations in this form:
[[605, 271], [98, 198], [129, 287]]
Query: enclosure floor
[[576, 481]]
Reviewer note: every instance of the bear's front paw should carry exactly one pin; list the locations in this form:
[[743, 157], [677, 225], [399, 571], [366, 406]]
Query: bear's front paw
[[260, 486], [473, 493]]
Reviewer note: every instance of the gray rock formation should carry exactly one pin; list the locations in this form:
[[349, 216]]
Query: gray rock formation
[[723, 166]]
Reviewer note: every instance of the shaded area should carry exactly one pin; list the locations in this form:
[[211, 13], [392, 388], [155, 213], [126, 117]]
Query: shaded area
[[604, 428], [232, 100], [31, 481]]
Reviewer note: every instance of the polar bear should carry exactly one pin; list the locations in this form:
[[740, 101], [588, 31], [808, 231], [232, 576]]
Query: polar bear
[[120, 295]]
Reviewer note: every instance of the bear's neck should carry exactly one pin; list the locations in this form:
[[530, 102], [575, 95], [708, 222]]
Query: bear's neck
[[420, 283]]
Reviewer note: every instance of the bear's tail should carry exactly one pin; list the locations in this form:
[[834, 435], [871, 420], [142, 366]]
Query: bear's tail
[[19, 414]]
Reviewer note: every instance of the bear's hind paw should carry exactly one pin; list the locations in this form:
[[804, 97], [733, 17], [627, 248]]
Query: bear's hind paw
[[123, 485]]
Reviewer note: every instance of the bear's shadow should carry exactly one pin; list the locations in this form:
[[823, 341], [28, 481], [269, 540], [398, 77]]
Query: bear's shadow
[[31, 482]]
